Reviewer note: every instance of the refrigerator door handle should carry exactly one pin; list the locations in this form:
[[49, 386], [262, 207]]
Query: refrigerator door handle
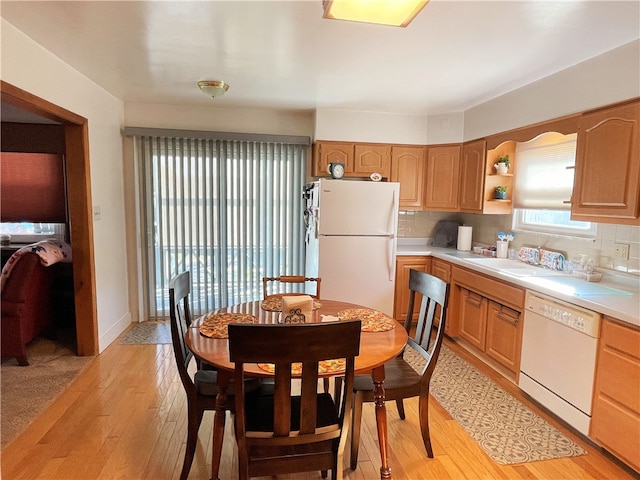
[[394, 214], [391, 258]]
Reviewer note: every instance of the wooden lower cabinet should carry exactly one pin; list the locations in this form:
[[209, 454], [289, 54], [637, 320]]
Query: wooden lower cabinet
[[473, 318], [488, 313], [441, 269], [403, 265], [504, 335], [615, 421]]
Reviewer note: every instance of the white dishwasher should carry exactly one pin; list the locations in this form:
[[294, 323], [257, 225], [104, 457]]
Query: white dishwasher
[[557, 367]]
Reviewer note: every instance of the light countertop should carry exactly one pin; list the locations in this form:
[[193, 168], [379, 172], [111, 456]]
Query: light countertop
[[622, 292]]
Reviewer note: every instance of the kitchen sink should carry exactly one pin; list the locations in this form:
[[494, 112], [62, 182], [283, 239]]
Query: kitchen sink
[[514, 267]]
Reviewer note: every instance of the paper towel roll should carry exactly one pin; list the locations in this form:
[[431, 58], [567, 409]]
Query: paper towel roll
[[464, 237]]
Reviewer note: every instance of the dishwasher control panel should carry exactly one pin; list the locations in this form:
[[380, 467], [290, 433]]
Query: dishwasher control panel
[[572, 316]]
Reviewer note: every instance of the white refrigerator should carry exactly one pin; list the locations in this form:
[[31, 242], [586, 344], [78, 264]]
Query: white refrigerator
[[351, 240]]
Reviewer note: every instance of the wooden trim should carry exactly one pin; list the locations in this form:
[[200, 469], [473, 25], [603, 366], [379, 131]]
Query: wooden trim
[[564, 125], [27, 101], [79, 203]]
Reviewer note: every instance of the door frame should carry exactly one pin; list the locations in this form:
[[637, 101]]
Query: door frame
[[78, 179]]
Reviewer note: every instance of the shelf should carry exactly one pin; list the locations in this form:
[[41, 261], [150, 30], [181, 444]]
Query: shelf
[[499, 200], [501, 174]]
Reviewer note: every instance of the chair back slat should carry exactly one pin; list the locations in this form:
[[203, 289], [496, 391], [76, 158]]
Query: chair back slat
[[433, 304], [277, 289]]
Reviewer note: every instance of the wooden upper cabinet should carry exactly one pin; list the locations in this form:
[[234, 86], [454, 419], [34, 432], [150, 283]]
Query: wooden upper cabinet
[[325, 153], [442, 178], [472, 173], [359, 159], [372, 158], [606, 187], [407, 168]]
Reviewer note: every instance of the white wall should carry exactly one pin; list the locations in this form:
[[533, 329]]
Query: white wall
[[212, 118], [605, 79], [356, 126], [26, 65]]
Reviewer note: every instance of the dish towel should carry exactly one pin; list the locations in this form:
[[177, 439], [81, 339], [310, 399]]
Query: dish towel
[[529, 255], [296, 308], [552, 260]]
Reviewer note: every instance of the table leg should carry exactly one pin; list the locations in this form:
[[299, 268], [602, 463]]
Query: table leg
[[381, 421], [219, 424]]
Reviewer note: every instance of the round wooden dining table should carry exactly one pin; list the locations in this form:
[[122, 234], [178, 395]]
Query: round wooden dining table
[[376, 348]]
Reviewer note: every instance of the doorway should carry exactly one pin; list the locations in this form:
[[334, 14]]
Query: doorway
[[76, 140]]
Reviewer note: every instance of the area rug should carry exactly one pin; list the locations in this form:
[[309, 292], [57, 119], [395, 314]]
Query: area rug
[[148, 333], [27, 391], [503, 427]]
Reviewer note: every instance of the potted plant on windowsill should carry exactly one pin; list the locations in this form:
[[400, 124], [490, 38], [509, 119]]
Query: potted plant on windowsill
[[501, 192], [503, 164]]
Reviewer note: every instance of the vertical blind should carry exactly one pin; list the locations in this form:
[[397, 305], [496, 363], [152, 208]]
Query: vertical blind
[[229, 211]]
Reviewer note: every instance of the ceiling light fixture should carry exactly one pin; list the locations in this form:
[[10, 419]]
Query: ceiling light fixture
[[398, 13], [213, 88]]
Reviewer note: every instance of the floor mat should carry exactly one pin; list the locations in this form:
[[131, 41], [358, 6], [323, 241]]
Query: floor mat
[[148, 333], [505, 429]]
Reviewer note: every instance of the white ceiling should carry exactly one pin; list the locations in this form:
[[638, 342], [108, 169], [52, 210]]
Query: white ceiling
[[283, 54]]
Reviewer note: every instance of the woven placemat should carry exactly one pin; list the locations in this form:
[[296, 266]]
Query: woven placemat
[[215, 324], [372, 320]]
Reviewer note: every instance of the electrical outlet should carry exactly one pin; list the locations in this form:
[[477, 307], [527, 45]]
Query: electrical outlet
[[621, 251]]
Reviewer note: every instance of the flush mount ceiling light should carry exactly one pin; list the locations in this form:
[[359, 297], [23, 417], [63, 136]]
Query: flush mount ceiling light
[[398, 13], [213, 88]]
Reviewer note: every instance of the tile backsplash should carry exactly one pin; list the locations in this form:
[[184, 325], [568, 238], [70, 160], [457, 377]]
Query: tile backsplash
[[486, 228]]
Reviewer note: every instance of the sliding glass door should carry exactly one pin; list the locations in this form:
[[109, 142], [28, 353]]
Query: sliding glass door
[[229, 211]]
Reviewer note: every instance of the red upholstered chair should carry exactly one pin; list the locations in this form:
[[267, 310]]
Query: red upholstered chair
[[26, 305]]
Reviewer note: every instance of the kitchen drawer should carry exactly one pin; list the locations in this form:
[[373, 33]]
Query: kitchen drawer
[[501, 292], [615, 422], [624, 338], [617, 429], [619, 365]]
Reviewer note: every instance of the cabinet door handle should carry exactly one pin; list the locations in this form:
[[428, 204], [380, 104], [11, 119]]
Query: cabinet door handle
[[508, 318], [570, 167], [473, 300]]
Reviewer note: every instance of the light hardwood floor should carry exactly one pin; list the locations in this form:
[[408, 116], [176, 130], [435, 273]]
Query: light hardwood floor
[[125, 417]]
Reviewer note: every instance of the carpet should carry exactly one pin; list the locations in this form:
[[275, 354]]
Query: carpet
[[27, 391], [503, 427], [148, 333]]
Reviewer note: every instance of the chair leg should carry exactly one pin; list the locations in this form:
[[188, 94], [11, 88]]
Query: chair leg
[[194, 418], [423, 407], [356, 422], [400, 405]]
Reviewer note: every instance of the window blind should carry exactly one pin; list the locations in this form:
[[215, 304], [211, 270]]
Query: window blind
[[32, 188], [544, 178], [230, 211]]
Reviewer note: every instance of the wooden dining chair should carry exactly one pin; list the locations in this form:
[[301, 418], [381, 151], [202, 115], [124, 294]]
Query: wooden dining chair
[[272, 285], [285, 432], [202, 388], [409, 374]]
